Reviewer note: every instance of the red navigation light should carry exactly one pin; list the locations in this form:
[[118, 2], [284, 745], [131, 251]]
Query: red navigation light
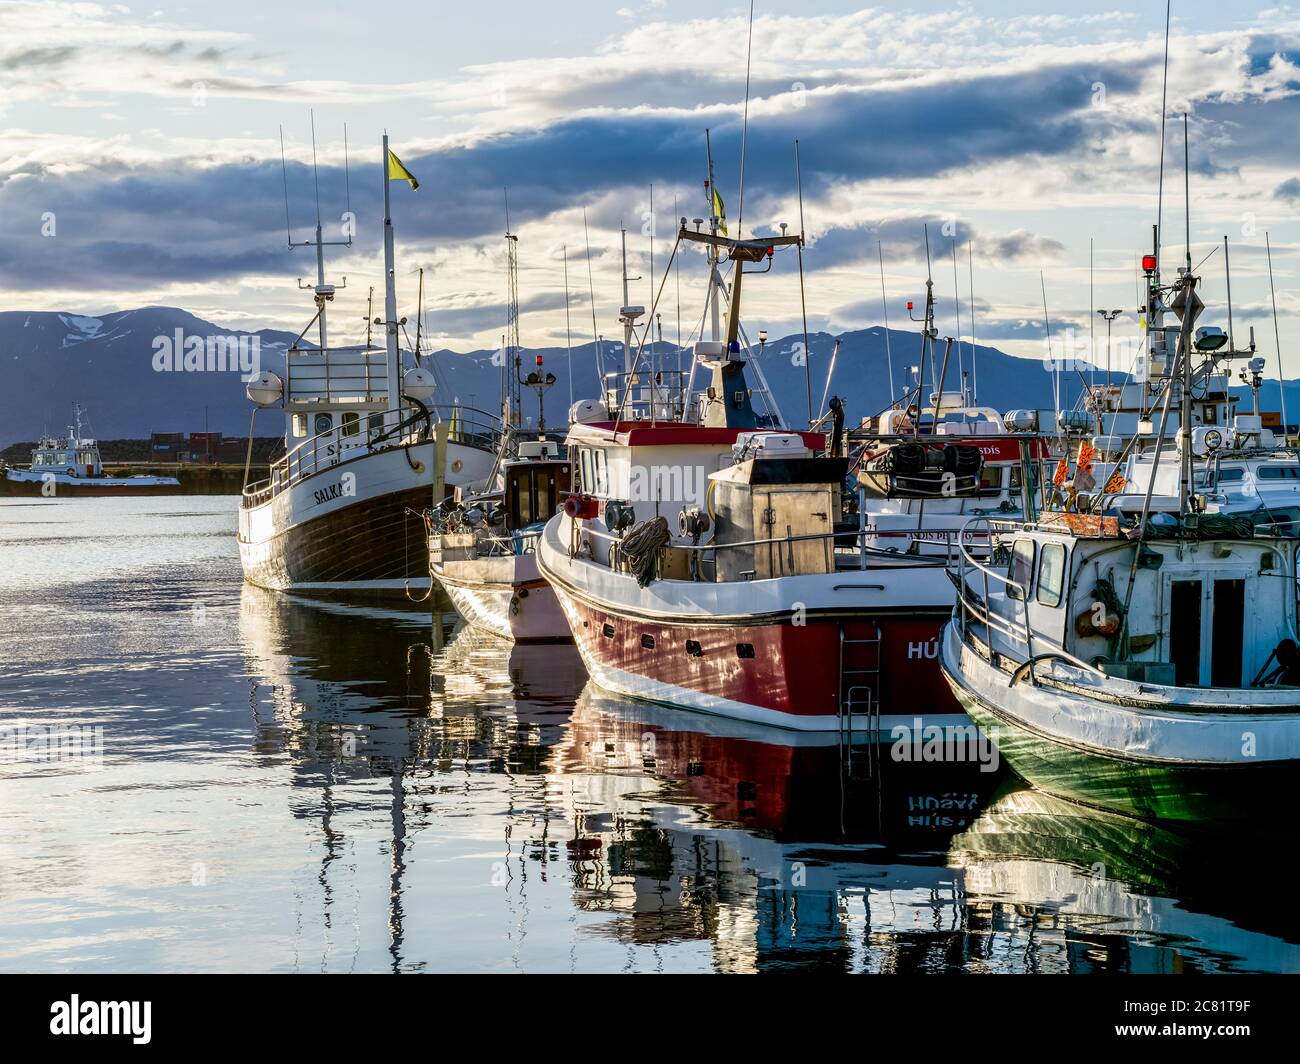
[[1149, 263], [909, 304], [539, 360], [706, 184], [771, 252]]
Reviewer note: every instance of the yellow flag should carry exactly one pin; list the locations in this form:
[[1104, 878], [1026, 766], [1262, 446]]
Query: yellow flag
[[720, 211], [398, 172]]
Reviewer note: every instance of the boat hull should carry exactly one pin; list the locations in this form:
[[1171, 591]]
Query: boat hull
[[352, 529], [771, 652], [505, 596], [1136, 776], [60, 485]]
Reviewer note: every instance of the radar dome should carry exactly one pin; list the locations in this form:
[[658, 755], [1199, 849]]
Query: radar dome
[[418, 384], [265, 389]]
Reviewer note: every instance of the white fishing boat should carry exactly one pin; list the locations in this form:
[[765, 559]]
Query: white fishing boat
[[483, 548], [1148, 666], [340, 512], [483, 543], [923, 472], [71, 465]]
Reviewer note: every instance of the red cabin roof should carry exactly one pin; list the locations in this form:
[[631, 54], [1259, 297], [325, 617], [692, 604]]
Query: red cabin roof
[[673, 434]]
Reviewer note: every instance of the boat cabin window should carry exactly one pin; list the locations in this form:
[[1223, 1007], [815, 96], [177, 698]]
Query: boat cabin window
[[1223, 476], [592, 471], [300, 425], [351, 423], [533, 492], [1277, 472], [1021, 570], [323, 423], [1051, 574]]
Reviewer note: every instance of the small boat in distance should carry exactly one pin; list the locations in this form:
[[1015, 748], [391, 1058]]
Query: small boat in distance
[[71, 465]]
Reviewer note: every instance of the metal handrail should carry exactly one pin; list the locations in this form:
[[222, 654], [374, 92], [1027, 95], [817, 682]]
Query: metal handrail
[[980, 611], [365, 436], [919, 559]]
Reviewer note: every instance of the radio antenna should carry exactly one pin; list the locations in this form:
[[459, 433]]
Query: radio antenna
[[284, 173], [884, 305], [1227, 269], [568, 330], [315, 170], [803, 303], [1277, 339], [347, 176], [956, 295], [1187, 193], [591, 296], [322, 293], [974, 374], [744, 132], [1164, 98], [419, 314]]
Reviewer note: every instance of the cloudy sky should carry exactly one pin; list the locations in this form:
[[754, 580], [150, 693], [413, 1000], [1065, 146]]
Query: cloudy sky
[[140, 156]]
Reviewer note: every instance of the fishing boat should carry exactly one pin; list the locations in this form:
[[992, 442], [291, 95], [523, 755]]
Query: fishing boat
[[923, 473], [483, 543], [1146, 665], [483, 547], [705, 558], [71, 465], [340, 511]]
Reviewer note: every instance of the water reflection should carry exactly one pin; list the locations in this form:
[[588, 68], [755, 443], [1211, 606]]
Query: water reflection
[[300, 785], [1095, 891]]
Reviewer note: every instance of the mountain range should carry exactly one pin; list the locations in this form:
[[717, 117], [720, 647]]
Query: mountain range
[[107, 365]]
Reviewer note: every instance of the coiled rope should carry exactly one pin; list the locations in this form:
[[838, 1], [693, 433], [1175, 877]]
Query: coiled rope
[[641, 547]]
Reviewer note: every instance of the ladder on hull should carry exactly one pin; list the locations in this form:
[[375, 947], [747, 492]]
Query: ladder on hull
[[859, 681]]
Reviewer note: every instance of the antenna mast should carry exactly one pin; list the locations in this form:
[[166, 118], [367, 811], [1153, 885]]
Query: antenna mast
[[803, 302], [323, 293], [513, 397], [1277, 338], [884, 306]]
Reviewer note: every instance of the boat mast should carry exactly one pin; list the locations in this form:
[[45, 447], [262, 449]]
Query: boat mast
[[715, 281], [390, 296], [627, 318]]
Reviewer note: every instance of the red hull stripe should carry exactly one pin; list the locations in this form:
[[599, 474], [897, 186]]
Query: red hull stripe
[[785, 667]]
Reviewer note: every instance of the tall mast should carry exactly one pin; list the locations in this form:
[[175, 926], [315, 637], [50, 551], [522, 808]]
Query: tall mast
[[390, 296], [715, 281]]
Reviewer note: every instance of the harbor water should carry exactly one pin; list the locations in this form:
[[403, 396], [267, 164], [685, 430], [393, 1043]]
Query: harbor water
[[197, 775]]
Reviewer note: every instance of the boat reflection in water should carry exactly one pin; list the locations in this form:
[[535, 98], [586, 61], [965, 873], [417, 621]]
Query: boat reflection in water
[[472, 804], [1097, 891]]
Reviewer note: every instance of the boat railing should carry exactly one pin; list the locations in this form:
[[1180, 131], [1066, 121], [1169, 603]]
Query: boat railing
[[647, 394], [972, 607], [847, 544], [369, 434]]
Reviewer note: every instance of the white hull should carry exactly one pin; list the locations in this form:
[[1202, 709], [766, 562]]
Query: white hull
[[28, 476], [1140, 722], [353, 526], [505, 596]]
